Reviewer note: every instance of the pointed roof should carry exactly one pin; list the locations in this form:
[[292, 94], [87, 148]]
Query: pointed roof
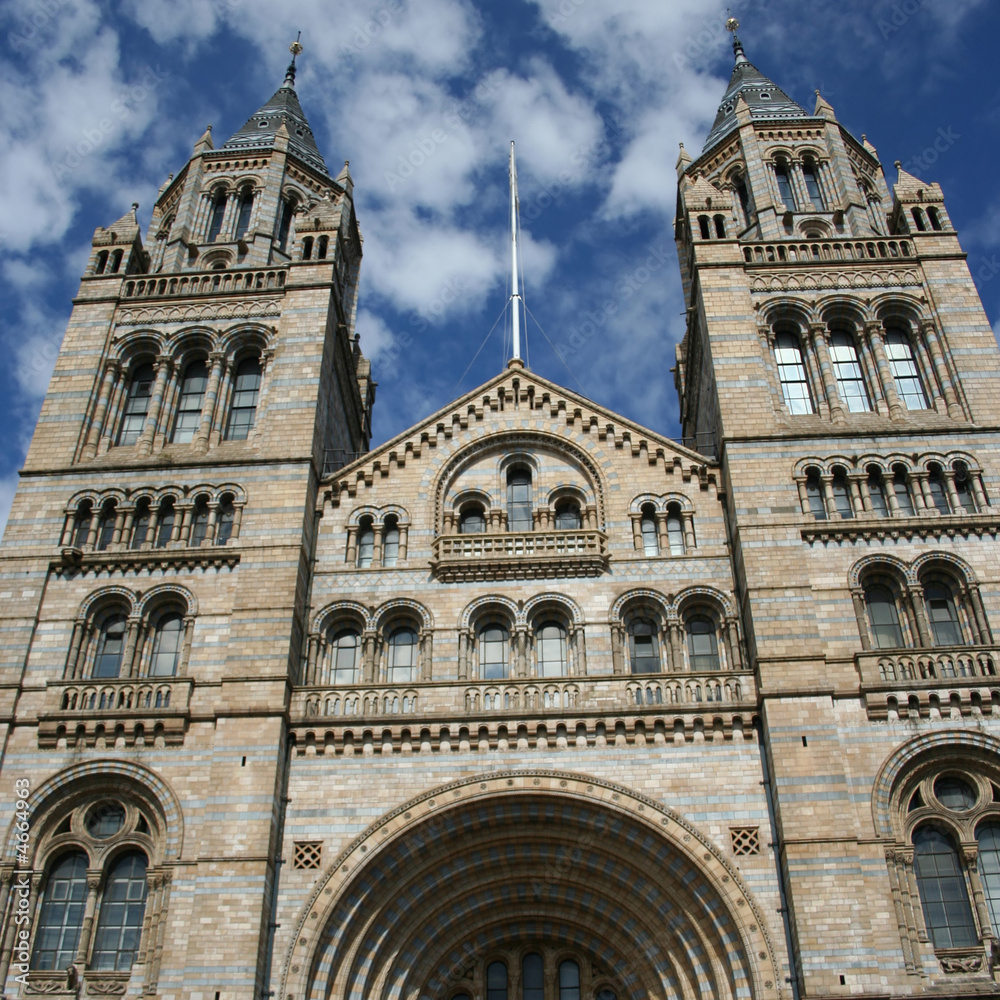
[[283, 109], [765, 100]]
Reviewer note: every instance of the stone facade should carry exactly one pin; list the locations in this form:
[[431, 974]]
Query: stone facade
[[529, 701]]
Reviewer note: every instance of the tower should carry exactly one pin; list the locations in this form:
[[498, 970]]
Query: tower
[[839, 361]]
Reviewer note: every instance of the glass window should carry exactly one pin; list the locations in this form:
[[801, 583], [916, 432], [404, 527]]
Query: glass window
[[741, 192], [569, 981], [140, 389], [901, 488], [390, 544], [287, 211], [64, 900], [883, 618], [519, 500], [119, 923], [954, 793], [246, 391], [941, 884], [344, 659], [246, 208], [988, 836], [110, 647], [225, 520], [877, 492], [784, 186], [533, 977], [366, 546], [675, 532], [918, 219], [650, 543], [847, 369], [105, 820], [550, 645], [218, 214], [568, 516], [106, 526], [812, 186], [496, 981], [167, 646], [140, 524], [81, 524], [402, 656], [702, 645], [903, 366], [494, 642], [814, 494], [191, 400], [792, 374], [938, 491], [165, 523], [842, 494], [472, 522], [963, 487], [644, 648], [199, 525], [942, 615]]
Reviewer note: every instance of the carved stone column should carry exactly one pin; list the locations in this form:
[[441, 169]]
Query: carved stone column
[[132, 627], [916, 594], [733, 644], [637, 532], [579, 651], [112, 372], [674, 628], [94, 876], [858, 596], [617, 642], [896, 408], [369, 642], [164, 366], [426, 667], [662, 535], [312, 659], [204, 431], [687, 519], [403, 542], [930, 335], [352, 546], [857, 490], [73, 659], [980, 612], [818, 331], [377, 531], [464, 648]]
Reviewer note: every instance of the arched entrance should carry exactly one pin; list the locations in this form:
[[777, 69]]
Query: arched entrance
[[501, 866]]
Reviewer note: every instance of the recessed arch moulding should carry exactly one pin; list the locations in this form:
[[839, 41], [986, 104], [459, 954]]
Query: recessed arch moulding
[[488, 865]]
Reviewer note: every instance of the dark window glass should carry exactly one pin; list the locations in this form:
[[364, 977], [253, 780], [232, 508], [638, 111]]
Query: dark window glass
[[932, 214], [901, 488], [81, 524], [224, 521], [287, 211], [366, 546], [814, 493], [568, 516], [63, 903], [105, 820], [702, 645], [720, 226], [988, 836], [918, 219], [644, 648], [246, 390], [744, 196], [218, 214], [246, 208], [191, 400], [140, 389], [550, 646], [941, 884], [812, 186], [954, 793], [784, 186], [938, 491], [494, 642], [847, 369], [903, 366], [165, 523], [650, 543], [110, 647], [792, 374], [167, 646], [569, 981], [472, 522], [675, 533], [140, 525], [119, 924], [533, 977], [402, 656], [963, 487], [519, 500], [496, 981], [307, 248], [883, 618], [842, 494], [344, 659], [106, 526], [943, 615], [877, 493], [199, 524], [390, 544], [704, 227]]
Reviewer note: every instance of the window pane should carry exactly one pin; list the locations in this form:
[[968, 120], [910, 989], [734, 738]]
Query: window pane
[[877, 493], [785, 187], [650, 543], [519, 501], [106, 526], [473, 522], [243, 410], [366, 547], [493, 646], [939, 494], [402, 656], [675, 534], [119, 922], [140, 390], [533, 977], [246, 207], [645, 652], [792, 374], [702, 645], [550, 646], [496, 981], [847, 369], [140, 525], [218, 214], [954, 793], [167, 646], [569, 981], [63, 902], [883, 618], [964, 488], [110, 647], [105, 820], [943, 615], [224, 523], [390, 546], [812, 186], [199, 527], [842, 496], [567, 517], [191, 400], [814, 493], [903, 366], [165, 524], [988, 836], [344, 658], [941, 884], [902, 490]]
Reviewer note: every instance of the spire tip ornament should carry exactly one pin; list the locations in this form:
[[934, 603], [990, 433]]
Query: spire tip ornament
[[295, 48]]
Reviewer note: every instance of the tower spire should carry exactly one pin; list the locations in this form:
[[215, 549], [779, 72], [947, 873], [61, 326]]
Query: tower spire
[[295, 48], [515, 296], [731, 25]]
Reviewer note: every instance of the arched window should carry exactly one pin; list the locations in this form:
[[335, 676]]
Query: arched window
[[842, 494], [102, 262], [988, 838], [307, 248], [883, 618], [167, 642], [569, 980], [225, 520], [496, 981], [720, 226], [218, 213], [402, 656], [550, 648], [366, 545], [918, 219], [106, 525], [847, 369], [903, 366], [81, 524], [140, 524], [119, 923], [519, 500], [963, 487], [285, 224], [675, 531], [942, 615], [140, 389], [792, 373], [703, 648], [494, 646], [110, 646], [740, 184], [784, 185], [941, 884], [568, 516], [704, 227], [390, 542], [533, 977], [191, 400], [61, 919], [246, 209], [934, 216], [243, 410], [472, 521], [812, 186], [901, 488], [199, 525], [116, 261], [345, 661], [643, 647], [650, 542], [876, 490], [938, 490], [814, 494], [165, 523], [322, 246]]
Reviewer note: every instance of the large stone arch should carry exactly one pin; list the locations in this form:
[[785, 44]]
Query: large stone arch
[[515, 856]]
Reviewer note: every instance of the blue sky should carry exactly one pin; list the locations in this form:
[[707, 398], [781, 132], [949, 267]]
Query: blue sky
[[596, 93]]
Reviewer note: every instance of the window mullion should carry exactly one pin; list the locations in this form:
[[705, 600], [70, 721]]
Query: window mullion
[[94, 876]]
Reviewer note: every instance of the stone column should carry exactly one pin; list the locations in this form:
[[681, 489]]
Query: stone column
[[312, 658], [521, 652], [920, 492], [976, 482], [857, 497], [861, 613], [687, 519], [930, 335], [164, 365], [617, 642], [970, 855], [896, 408], [803, 495], [916, 595], [818, 331], [377, 544], [464, 644], [733, 644], [83, 945], [426, 649], [403, 542], [976, 601], [953, 499], [369, 642], [662, 535], [826, 485], [266, 366], [637, 532], [676, 650], [871, 376], [112, 372], [204, 431], [579, 651], [73, 659]]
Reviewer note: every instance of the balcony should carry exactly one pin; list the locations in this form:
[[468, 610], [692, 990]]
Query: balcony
[[827, 251], [205, 283], [532, 555]]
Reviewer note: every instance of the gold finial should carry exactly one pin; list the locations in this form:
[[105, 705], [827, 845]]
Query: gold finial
[[732, 24], [296, 47]]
